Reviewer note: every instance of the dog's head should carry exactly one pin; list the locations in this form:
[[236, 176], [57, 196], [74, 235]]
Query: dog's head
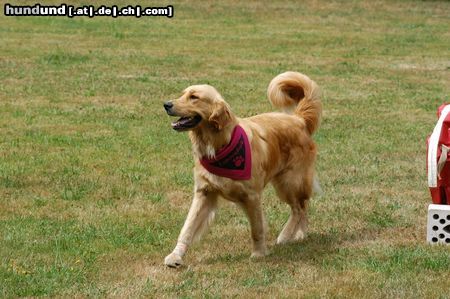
[[199, 105]]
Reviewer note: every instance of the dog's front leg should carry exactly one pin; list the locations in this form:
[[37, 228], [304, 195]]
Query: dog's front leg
[[199, 217], [253, 209]]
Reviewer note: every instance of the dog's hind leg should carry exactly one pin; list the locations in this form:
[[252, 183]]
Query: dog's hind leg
[[199, 217], [296, 194], [296, 226]]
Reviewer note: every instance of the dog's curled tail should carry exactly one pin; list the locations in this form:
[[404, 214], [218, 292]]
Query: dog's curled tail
[[295, 91]]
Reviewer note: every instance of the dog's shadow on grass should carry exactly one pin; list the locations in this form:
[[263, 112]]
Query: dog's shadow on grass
[[316, 247]]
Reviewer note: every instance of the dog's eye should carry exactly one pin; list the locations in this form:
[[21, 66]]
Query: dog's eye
[[193, 97]]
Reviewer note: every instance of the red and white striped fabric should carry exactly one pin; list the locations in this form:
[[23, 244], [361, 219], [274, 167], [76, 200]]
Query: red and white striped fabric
[[438, 162]]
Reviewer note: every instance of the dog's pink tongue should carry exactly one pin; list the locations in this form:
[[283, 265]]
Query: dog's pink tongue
[[182, 121]]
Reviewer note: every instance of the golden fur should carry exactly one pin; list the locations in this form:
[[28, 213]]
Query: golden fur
[[283, 153]]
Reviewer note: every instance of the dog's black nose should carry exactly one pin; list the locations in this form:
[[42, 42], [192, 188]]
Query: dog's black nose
[[168, 105]]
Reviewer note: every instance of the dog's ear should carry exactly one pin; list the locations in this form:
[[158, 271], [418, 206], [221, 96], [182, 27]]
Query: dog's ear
[[220, 116]]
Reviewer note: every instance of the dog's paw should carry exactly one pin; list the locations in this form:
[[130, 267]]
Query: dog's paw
[[173, 260], [300, 235], [282, 240], [285, 239], [259, 254]]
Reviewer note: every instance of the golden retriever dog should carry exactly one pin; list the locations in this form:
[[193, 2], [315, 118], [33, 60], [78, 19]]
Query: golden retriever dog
[[282, 153]]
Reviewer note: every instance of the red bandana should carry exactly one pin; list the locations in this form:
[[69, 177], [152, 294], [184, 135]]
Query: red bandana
[[234, 160]]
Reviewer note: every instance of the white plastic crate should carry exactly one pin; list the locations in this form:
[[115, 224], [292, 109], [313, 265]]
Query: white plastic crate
[[438, 225]]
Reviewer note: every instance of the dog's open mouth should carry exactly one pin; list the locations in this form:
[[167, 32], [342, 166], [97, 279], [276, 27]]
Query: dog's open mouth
[[186, 123]]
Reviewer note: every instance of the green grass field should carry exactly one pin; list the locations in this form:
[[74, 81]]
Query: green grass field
[[95, 185]]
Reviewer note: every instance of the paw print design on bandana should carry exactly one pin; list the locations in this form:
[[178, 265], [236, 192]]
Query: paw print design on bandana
[[238, 161]]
